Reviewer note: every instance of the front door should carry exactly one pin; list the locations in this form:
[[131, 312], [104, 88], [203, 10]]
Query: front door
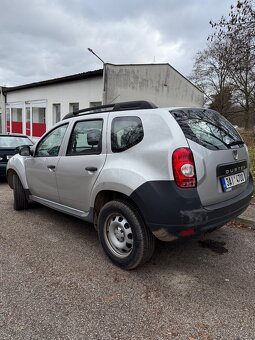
[[41, 168]]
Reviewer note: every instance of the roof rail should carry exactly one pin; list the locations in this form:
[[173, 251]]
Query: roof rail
[[132, 105]]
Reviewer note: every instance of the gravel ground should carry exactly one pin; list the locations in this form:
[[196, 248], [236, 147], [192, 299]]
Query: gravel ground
[[56, 283]]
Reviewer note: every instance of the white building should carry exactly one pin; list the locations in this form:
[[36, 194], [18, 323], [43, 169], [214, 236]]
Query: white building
[[32, 109]]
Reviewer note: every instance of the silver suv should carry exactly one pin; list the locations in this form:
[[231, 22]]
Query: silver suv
[[137, 172]]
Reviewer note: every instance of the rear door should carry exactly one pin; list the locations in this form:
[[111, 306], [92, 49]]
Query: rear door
[[221, 158], [79, 168]]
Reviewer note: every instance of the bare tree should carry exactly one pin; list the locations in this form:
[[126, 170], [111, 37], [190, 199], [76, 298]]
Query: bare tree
[[211, 73], [237, 31], [240, 23], [222, 101]]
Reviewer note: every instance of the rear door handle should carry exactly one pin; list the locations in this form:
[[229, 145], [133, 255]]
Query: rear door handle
[[91, 168]]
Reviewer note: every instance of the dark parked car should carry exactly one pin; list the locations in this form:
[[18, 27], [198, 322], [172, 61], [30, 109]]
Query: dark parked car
[[8, 147]]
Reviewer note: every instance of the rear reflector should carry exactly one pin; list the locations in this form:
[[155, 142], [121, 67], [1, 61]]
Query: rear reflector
[[187, 232], [184, 168]]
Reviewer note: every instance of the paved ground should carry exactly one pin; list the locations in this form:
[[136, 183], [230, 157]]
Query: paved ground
[[56, 283], [248, 217]]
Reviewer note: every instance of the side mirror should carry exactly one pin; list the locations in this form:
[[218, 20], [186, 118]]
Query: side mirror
[[93, 137], [25, 150]]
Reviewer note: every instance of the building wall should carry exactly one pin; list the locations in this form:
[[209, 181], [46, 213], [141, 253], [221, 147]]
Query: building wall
[[30, 110], [79, 91], [158, 83]]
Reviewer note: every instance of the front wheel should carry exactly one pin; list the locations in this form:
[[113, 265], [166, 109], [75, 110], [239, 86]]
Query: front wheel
[[20, 199], [123, 235]]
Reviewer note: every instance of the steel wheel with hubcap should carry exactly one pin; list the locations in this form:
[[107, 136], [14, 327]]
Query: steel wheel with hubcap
[[123, 235], [118, 235]]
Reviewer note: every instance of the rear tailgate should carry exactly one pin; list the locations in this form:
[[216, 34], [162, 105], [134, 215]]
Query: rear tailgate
[[221, 158]]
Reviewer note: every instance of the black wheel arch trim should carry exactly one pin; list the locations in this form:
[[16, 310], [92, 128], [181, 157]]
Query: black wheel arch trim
[[166, 207], [162, 202]]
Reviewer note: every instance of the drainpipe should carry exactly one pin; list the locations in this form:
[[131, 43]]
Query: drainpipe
[[104, 84], [2, 102]]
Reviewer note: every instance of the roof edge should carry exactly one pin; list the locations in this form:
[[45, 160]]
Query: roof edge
[[78, 76], [158, 64], [87, 75]]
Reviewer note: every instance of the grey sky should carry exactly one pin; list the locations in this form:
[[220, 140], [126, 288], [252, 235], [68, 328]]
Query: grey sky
[[43, 39]]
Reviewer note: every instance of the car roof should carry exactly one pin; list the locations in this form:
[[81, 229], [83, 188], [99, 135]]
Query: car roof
[[122, 106]]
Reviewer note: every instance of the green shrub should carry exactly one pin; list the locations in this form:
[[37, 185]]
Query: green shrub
[[249, 138], [252, 158]]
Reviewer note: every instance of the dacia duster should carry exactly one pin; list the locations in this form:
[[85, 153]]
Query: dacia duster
[[137, 172]]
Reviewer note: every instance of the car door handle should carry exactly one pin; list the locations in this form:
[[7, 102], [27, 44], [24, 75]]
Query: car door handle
[[91, 168], [51, 167]]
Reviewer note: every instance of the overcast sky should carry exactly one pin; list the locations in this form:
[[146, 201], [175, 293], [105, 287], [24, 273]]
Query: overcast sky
[[44, 39]]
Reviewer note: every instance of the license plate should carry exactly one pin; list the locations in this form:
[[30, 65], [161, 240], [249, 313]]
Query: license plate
[[232, 181]]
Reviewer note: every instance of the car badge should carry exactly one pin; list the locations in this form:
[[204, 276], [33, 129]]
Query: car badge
[[235, 155]]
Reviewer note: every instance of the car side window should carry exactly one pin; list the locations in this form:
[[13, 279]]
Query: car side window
[[49, 146], [86, 138], [126, 132]]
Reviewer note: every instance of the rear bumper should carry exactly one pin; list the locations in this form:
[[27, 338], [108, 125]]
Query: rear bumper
[[171, 212]]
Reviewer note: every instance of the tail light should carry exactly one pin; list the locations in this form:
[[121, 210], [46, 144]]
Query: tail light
[[184, 168]]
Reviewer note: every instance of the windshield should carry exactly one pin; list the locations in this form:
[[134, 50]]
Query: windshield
[[14, 141], [208, 128]]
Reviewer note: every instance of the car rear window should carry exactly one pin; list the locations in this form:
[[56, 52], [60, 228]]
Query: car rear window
[[14, 141], [208, 128]]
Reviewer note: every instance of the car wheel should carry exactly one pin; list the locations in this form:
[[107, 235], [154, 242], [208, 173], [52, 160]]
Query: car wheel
[[123, 235], [20, 200]]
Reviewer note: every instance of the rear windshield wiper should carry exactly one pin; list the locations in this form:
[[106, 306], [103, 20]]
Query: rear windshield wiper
[[237, 142]]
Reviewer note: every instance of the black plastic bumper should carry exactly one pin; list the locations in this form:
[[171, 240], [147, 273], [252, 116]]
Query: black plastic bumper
[[171, 212]]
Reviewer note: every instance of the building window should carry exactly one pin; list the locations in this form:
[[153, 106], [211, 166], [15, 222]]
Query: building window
[[93, 104], [16, 114], [38, 119], [56, 108], [28, 121], [16, 120], [8, 119], [73, 107]]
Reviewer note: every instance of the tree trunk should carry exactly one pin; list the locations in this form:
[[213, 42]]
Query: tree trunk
[[247, 120]]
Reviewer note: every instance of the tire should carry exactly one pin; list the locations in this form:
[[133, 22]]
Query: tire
[[20, 200], [123, 235]]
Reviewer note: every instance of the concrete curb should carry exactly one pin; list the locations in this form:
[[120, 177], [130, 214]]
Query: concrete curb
[[247, 218], [246, 222]]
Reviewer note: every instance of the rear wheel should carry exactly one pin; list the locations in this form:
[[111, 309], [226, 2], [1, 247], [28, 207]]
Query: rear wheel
[[123, 235], [20, 200]]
